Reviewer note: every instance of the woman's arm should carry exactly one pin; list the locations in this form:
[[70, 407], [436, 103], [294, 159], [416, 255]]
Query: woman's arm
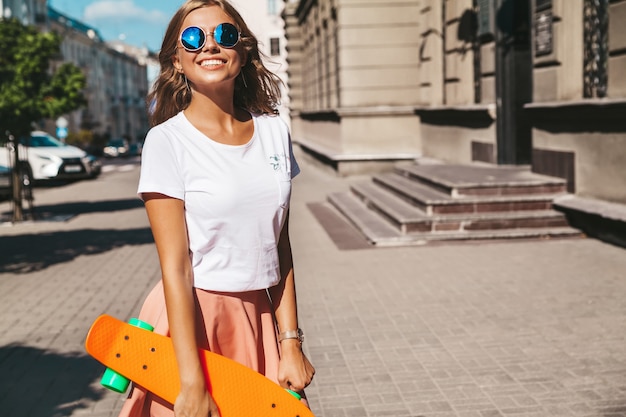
[[167, 220], [295, 372]]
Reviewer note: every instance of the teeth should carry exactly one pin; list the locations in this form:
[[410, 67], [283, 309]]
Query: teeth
[[210, 62]]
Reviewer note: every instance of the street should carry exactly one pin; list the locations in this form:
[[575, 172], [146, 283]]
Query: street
[[524, 328]]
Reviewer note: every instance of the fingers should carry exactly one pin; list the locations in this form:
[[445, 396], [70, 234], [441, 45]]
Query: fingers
[[293, 382], [298, 380], [298, 384], [295, 372], [195, 406]]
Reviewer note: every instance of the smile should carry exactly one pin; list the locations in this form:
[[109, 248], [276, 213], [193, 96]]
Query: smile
[[212, 62]]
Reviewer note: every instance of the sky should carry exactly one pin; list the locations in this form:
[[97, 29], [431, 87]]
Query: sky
[[141, 23]]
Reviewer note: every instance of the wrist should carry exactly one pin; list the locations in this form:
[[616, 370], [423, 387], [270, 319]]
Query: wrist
[[290, 349], [291, 344]]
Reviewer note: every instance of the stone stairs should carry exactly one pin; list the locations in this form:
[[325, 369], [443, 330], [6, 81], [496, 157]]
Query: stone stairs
[[417, 204]]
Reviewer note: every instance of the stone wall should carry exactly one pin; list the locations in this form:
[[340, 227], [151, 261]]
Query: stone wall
[[379, 81]]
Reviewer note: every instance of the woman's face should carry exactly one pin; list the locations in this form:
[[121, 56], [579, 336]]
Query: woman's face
[[212, 64]]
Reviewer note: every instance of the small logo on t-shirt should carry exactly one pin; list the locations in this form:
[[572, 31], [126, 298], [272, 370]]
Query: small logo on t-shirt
[[278, 162]]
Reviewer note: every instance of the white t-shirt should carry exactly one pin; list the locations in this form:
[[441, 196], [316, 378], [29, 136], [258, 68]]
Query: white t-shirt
[[236, 198]]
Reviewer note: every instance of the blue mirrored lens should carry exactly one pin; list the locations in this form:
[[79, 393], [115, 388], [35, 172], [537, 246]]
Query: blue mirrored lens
[[192, 38], [226, 35]]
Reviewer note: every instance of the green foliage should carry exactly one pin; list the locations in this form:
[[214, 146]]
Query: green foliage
[[29, 89], [64, 93], [82, 139]]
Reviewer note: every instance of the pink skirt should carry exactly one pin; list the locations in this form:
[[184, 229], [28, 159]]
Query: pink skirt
[[239, 326]]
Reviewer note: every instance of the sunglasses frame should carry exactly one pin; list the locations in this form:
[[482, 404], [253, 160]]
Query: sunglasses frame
[[206, 35]]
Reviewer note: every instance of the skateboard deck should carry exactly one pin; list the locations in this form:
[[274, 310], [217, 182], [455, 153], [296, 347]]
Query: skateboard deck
[[148, 360]]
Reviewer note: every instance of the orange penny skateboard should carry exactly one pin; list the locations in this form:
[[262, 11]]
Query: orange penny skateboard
[[148, 360]]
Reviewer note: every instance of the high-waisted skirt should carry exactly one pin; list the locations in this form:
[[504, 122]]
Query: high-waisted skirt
[[239, 326]]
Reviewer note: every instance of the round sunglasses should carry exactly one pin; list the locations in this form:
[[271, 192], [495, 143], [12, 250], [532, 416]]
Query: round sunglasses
[[194, 38]]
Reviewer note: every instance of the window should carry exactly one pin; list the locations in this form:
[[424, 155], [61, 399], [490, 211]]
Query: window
[[274, 46], [272, 8]]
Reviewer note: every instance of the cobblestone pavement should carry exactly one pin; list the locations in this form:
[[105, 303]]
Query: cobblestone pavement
[[532, 328]]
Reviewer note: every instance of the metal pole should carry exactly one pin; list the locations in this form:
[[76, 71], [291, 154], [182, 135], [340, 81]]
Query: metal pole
[[16, 178]]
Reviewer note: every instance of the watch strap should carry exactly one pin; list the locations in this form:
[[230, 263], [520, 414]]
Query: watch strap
[[291, 334]]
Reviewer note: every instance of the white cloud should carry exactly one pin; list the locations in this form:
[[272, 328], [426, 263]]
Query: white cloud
[[121, 10]]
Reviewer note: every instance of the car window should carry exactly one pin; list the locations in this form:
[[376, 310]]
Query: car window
[[42, 141]]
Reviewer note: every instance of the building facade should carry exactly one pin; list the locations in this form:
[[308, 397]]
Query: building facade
[[29, 12], [265, 21], [117, 82], [117, 78], [523, 82]]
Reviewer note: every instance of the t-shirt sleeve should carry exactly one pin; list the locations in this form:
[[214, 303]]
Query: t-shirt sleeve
[[286, 135], [160, 171], [295, 168]]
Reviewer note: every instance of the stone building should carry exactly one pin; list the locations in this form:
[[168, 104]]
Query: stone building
[[540, 83], [117, 81], [265, 21], [29, 12]]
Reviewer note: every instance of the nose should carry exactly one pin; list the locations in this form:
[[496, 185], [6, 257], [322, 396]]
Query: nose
[[210, 44]]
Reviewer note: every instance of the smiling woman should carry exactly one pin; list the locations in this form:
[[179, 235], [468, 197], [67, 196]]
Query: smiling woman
[[216, 175]]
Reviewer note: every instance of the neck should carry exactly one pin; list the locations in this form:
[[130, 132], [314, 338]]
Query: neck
[[216, 102], [216, 117]]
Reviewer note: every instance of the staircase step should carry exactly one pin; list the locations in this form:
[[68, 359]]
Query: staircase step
[[505, 234], [409, 219], [373, 227], [404, 216], [515, 220], [418, 204], [432, 201], [379, 232], [466, 180]]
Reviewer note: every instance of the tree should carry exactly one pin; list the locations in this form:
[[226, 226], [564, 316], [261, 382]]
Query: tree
[[30, 90]]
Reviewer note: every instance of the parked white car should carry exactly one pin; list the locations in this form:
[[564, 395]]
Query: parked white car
[[5, 182], [45, 157]]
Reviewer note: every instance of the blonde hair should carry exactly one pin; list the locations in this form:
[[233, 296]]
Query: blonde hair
[[257, 89]]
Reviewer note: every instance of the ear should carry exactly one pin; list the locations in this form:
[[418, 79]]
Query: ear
[[244, 57], [176, 63]]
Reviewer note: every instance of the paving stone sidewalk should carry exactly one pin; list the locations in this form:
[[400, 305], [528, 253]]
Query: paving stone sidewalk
[[534, 328]]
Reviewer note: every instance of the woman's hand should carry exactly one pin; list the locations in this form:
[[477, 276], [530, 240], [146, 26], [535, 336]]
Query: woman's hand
[[295, 372], [194, 400]]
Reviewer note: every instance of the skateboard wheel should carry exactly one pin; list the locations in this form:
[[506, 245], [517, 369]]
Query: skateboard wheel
[[141, 324], [113, 380], [295, 394]]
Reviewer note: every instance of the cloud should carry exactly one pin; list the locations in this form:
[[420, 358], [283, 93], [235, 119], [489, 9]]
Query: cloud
[[121, 10]]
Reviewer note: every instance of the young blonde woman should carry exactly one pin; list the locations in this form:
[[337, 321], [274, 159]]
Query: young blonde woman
[[216, 181]]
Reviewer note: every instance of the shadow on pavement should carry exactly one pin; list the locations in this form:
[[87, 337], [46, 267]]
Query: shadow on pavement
[[37, 382], [343, 235], [65, 211], [35, 252], [85, 207]]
